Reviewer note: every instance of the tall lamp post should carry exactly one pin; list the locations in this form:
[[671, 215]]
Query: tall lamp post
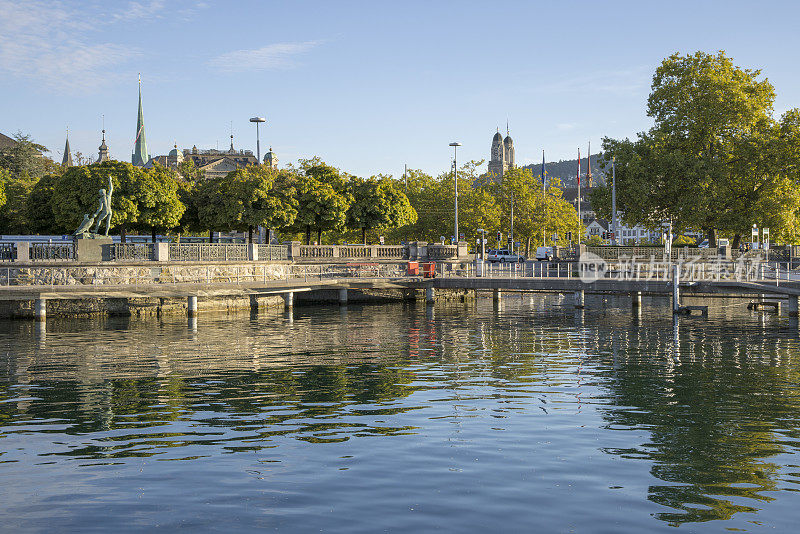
[[455, 145], [258, 120]]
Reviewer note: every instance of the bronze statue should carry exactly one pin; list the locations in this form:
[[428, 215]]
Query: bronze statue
[[85, 225], [104, 211]]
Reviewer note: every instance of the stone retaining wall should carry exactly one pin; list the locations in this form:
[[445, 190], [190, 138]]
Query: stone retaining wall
[[98, 274]]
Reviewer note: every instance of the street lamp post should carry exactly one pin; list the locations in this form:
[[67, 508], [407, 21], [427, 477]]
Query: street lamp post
[[258, 120], [455, 145]]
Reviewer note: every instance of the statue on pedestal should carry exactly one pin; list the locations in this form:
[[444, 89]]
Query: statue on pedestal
[[103, 211]]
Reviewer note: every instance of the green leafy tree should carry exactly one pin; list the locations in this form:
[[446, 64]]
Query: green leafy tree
[[13, 215], [141, 198], [3, 175], [538, 215], [157, 193], [428, 198], [715, 159], [25, 159], [246, 198], [39, 207], [378, 204], [320, 207]]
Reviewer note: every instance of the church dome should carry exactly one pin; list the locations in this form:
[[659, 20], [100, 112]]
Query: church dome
[[508, 141], [498, 138], [174, 152]]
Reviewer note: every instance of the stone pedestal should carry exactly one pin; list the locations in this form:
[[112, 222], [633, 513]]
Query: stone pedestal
[[93, 250]]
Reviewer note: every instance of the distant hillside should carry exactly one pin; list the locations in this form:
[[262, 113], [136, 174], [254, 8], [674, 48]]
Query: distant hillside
[[565, 171]]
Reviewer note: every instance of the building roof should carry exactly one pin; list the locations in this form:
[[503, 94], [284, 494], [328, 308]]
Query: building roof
[[604, 224], [508, 140], [498, 137]]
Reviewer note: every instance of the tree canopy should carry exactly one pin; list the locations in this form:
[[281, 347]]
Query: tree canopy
[[715, 159], [379, 203], [246, 198]]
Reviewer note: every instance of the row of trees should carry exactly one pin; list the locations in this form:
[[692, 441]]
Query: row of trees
[[310, 200], [715, 160]]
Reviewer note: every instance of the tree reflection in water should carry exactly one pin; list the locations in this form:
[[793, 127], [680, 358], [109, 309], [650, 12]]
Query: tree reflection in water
[[717, 398]]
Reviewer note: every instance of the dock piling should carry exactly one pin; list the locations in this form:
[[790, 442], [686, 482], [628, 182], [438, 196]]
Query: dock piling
[[40, 309], [191, 303]]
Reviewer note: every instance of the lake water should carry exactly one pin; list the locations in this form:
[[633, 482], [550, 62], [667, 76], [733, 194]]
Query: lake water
[[459, 418]]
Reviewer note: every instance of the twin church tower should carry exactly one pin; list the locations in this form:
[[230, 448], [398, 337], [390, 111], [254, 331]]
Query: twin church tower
[[502, 155]]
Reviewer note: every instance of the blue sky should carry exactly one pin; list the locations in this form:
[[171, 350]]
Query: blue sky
[[368, 86]]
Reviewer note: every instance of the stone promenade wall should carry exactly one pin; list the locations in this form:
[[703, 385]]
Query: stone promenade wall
[[146, 274]]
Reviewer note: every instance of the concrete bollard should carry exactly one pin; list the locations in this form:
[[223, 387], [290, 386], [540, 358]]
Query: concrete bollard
[[579, 299], [288, 299], [430, 295], [636, 299], [343, 296], [40, 309], [191, 303]]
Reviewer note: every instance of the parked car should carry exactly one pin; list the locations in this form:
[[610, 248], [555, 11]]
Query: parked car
[[544, 253], [503, 256], [704, 244]]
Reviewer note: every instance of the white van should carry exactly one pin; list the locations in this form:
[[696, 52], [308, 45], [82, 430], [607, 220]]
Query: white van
[[544, 253]]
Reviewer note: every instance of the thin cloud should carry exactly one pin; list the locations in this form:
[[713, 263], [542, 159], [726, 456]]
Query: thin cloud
[[270, 57], [140, 10], [49, 43]]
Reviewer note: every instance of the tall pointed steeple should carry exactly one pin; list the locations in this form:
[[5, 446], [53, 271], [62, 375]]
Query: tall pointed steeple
[[140, 155], [67, 160]]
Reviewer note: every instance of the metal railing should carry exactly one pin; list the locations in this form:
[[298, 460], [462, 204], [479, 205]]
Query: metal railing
[[52, 251], [775, 272], [207, 252], [8, 252], [133, 252]]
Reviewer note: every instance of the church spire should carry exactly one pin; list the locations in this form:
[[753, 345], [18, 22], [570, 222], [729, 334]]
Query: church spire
[[103, 149], [140, 155], [67, 161]]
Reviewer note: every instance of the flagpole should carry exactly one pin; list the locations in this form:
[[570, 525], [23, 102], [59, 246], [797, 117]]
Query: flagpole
[[579, 186], [544, 199]]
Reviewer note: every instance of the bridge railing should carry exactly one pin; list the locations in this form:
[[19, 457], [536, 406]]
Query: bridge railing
[[690, 271]]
